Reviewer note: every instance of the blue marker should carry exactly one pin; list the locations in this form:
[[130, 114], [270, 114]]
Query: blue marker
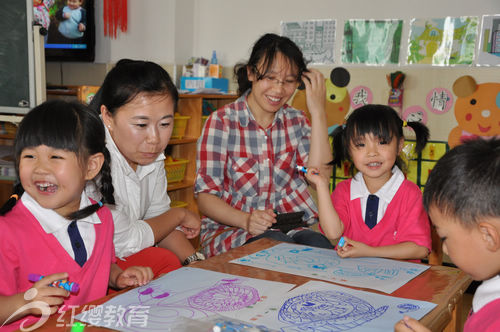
[[341, 242], [303, 169]]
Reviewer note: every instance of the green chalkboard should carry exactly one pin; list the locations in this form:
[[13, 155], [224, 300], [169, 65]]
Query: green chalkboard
[[16, 59]]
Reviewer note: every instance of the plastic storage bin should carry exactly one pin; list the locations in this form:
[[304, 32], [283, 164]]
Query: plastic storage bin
[[176, 170], [180, 124]]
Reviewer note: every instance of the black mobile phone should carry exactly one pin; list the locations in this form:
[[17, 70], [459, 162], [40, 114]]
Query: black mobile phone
[[288, 221]]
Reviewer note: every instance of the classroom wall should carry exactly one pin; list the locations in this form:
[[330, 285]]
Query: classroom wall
[[178, 29]]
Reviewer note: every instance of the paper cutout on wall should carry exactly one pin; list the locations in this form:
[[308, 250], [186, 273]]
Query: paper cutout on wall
[[477, 110], [337, 98], [415, 113], [372, 42], [489, 44], [316, 39], [361, 95], [442, 41], [439, 100]]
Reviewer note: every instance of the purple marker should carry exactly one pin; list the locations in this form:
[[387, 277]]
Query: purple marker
[[72, 287]]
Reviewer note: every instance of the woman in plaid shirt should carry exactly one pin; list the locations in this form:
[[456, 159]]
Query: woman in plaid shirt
[[249, 149]]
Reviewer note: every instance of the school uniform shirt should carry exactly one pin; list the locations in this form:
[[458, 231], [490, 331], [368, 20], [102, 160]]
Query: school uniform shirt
[[55, 224], [385, 194], [404, 219], [25, 247], [485, 307], [252, 168], [139, 195]]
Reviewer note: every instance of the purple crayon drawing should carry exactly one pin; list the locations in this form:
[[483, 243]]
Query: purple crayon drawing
[[72, 287]]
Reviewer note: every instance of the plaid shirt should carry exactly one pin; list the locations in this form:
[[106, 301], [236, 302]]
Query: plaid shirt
[[252, 168]]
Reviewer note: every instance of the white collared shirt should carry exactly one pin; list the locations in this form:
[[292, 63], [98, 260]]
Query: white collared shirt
[[139, 195], [55, 224], [385, 194], [488, 291]]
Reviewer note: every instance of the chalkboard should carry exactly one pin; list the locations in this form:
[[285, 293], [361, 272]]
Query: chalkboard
[[16, 56]]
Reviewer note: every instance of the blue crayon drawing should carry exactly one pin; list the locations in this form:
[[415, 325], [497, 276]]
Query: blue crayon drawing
[[377, 273], [407, 307], [327, 311]]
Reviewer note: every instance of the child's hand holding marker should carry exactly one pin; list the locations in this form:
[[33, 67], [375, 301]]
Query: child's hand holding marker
[[350, 248], [313, 176], [304, 169], [45, 291]]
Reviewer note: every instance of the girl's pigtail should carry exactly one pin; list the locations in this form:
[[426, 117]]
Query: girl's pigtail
[[18, 190], [105, 187], [421, 134], [339, 146], [106, 184]]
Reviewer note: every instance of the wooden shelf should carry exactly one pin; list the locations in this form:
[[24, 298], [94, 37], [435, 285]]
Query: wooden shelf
[[185, 148]]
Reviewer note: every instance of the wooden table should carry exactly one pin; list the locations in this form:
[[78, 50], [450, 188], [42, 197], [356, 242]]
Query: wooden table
[[438, 284]]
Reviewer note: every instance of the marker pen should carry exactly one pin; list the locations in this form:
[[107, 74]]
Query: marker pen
[[341, 242], [72, 287], [303, 169]]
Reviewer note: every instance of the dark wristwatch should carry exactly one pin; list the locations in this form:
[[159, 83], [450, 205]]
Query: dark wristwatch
[[197, 256]]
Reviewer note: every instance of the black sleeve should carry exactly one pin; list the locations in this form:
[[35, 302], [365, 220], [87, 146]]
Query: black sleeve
[[84, 16], [59, 15]]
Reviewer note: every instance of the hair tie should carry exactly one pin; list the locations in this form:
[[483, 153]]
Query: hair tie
[[405, 123], [343, 126], [16, 196], [100, 203]]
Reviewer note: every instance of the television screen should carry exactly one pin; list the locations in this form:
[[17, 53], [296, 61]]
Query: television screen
[[70, 26]]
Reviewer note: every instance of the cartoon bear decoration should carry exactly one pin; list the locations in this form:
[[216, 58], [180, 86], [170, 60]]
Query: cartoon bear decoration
[[477, 110], [337, 98]]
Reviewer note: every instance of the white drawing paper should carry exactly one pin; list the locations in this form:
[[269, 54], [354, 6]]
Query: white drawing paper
[[381, 274], [186, 292], [321, 306]]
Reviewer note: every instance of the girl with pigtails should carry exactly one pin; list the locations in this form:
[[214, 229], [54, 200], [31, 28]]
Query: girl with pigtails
[[377, 212], [49, 226]]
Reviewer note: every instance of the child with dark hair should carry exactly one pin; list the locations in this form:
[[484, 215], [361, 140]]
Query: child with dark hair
[[137, 101], [249, 150], [378, 212], [50, 226], [462, 196], [73, 19]]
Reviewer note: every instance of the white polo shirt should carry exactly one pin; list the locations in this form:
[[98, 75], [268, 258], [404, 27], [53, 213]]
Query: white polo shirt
[[139, 195]]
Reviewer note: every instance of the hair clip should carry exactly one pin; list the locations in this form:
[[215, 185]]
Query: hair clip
[[16, 196], [100, 203], [405, 123]]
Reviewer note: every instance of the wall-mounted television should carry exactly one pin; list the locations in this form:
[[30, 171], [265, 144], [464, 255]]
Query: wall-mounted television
[[71, 29]]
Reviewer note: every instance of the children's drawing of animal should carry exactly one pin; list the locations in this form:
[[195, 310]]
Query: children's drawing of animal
[[477, 110], [337, 98]]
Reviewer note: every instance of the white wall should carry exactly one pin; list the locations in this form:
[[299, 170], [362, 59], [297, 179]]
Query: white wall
[[171, 31], [151, 32], [232, 26]]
